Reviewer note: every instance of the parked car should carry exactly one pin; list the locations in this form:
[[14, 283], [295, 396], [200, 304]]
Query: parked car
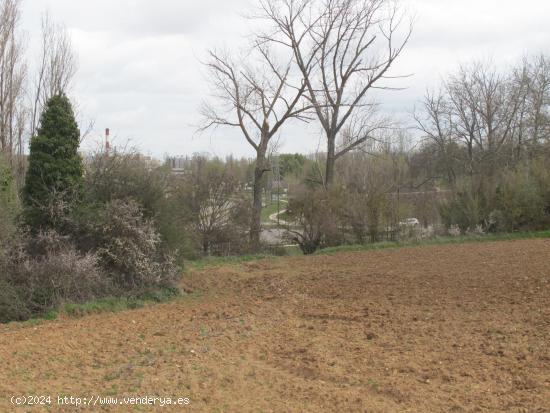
[[410, 222]]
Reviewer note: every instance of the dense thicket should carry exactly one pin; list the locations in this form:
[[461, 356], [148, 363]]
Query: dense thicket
[[487, 139], [480, 163], [81, 238]]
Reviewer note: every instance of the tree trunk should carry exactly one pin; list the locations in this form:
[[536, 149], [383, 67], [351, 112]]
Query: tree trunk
[[331, 159], [471, 158], [258, 189]]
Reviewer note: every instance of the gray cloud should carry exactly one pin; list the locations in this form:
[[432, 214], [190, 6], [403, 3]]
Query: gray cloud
[[140, 73]]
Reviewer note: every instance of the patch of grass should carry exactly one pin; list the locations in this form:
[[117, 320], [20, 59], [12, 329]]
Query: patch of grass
[[104, 305], [463, 239], [373, 383], [160, 295], [269, 210], [294, 251], [117, 304], [51, 315], [239, 259], [32, 322], [113, 391], [219, 261]]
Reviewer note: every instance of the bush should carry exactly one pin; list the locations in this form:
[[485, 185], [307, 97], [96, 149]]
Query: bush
[[121, 176], [464, 210], [314, 213], [125, 176], [516, 200], [12, 307], [522, 198], [365, 209], [129, 248], [519, 204], [47, 271], [42, 272]]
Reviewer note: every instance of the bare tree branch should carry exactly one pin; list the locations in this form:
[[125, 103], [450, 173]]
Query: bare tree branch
[[343, 48]]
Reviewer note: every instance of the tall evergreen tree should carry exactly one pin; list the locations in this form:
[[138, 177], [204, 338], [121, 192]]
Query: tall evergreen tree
[[54, 178]]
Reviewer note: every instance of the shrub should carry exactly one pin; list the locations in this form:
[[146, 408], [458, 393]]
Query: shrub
[[465, 209], [123, 176], [313, 212], [519, 205], [366, 183], [522, 200], [12, 307], [129, 248], [47, 271], [516, 200], [42, 272], [99, 248]]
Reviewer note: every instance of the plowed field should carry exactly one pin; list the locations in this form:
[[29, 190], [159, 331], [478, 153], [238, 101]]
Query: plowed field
[[455, 328]]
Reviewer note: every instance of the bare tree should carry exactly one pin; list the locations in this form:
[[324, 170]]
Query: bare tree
[[485, 106], [492, 114], [255, 96], [56, 67], [12, 79], [344, 49], [434, 121], [534, 119]]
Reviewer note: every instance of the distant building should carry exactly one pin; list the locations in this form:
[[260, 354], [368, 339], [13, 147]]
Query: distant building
[[148, 160], [177, 164]]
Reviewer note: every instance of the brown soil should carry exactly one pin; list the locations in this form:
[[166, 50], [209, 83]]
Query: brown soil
[[461, 328]]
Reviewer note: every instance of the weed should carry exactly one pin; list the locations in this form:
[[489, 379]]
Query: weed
[[373, 383]]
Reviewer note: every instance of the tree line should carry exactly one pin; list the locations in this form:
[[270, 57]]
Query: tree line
[[483, 134], [474, 159], [24, 92]]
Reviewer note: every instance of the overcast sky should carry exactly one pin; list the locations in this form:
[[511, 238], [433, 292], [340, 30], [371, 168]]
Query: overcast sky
[[140, 75]]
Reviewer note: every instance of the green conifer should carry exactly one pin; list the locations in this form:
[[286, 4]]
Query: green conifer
[[54, 179]]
